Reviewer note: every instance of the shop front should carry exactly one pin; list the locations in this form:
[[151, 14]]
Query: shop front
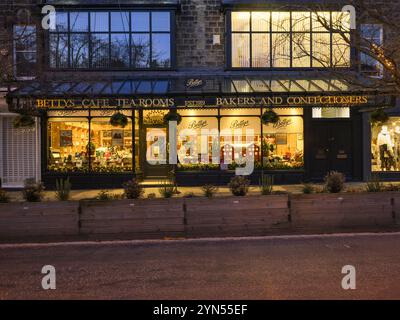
[[221, 124]]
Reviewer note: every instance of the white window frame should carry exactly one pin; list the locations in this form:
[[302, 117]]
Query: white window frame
[[15, 51]]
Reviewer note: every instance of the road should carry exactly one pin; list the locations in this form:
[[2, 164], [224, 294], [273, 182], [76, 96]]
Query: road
[[298, 267]]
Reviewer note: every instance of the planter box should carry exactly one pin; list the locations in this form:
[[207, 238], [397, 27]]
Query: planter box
[[137, 218], [42, 219], [344, 210], [233, 216]]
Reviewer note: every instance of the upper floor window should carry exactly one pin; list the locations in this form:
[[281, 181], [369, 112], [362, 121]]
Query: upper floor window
[[265, 39], [25, 51], [111, 40], [372, 37]]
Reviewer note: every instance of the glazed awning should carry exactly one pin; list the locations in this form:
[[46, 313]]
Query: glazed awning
[[185, 87], [133, 3]]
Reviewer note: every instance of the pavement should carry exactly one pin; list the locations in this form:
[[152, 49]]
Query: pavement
[[184, 191], [290, 267]]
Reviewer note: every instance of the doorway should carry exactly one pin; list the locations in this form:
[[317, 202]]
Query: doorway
[[331, 147]]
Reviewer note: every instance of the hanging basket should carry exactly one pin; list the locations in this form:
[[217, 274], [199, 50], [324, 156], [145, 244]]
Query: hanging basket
[[119, 120], [379, 116], [23, 121], [269, 116], [172, 116]]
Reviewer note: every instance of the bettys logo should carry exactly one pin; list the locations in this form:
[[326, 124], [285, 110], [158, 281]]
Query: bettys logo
[[194, 83], [197, 124], [282, 124], [239, 124]]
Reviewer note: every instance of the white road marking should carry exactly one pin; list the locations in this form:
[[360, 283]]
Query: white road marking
[[199, 240]]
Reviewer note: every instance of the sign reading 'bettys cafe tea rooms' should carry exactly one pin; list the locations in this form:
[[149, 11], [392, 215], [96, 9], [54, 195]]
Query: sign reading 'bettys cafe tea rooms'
[[296, 101]]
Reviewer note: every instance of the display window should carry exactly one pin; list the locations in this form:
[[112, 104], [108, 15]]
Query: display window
[[385, 145], [283, 143], [68, 141]]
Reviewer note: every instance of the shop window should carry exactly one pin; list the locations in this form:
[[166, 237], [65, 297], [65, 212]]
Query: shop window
[[25, 55], [115, 39], [372, 37], [330, 113], [68, 144], [264, 39], [385, 145], [112, 147], [283, 144]]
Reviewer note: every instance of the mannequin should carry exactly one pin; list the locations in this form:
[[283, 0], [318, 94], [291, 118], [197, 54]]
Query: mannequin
[[396, 147], [385, 149]]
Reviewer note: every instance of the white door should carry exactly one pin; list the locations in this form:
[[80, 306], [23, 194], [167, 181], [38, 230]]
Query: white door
[[19, 153]]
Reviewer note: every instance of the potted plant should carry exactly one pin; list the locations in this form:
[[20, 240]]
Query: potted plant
[[24, 121], [172, 116], [91, 148], [379, 116], [119, 120], [269, 116]]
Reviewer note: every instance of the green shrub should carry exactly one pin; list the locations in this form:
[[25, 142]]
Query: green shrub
[[32, 191], [266, 184], [239, 186], [24, 121], [374, 184], [151, 196], [392, 187], [167, 190], [133, 189], [209, 190], [104, 195], [308, 188], [334, 182], [4, 198], [63, 189]]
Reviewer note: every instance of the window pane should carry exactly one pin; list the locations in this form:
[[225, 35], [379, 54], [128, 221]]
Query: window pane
[[321, 49], [261, 21], [140, 21], [261, 51], [301, 21], [68, 145], [79, 49], [240, 50], [341, 21], [340, 51], [61, 21], [25, 64], [113, 146], [385, 145], [240, 21], [301, 50], [160, 21], [59, 50], [100, 50], [25, 38], [141, 50], [331, 113], [120, 50], [120, 21], [321, 21], [283, 144], [281, 50], [99, 22], [79, 21], [161, 53], [281, 21]]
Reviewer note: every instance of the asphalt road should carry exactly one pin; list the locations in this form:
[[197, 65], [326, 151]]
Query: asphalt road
[[260, 268]]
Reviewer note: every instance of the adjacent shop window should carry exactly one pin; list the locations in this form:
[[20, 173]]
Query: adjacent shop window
[[265, 39], [70, 150], [283, 144], [372, 38], [330, 113], [385, 145], [25, 55], [111, 40]]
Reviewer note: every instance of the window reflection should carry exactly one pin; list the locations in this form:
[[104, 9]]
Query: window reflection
[[120, 50], [161, 53]]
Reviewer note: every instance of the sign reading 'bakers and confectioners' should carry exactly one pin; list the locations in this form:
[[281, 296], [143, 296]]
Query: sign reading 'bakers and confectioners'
[[101, 103]]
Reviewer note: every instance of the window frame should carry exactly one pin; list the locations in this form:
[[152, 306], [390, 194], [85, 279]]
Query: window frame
[[130, 32], [15, 51], [229, 33]]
